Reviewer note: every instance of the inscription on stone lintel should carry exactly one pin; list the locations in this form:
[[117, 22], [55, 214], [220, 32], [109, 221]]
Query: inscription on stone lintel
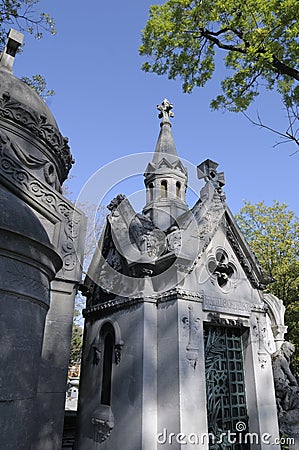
[[220, 304]]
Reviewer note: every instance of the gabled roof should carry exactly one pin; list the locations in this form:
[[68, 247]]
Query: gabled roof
[[211, 213], [244, 253]]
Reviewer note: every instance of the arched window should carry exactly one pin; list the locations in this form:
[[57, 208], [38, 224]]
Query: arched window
[[178, 189], [151, 192], [163, 188], [108, 342]]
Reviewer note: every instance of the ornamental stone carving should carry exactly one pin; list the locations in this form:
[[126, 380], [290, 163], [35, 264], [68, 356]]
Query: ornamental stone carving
[[191, 326], [103, 423], [222, 270], [287, 391], [46, 199], [39, 126], [174, 240], [155, 243]]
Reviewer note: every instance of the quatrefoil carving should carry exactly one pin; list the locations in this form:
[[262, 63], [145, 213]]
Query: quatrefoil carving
[[221, 269]]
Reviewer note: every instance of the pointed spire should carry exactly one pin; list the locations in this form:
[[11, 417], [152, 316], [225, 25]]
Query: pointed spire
[[165, 147], [165, 177]]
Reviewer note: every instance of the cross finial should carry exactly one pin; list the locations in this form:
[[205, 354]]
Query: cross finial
[[165, 110], [14, 40], [207, 170]]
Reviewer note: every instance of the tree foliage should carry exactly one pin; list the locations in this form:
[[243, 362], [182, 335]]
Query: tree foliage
[[25, 16], [39, 84], [273, 234], [76, 345], [258, 40]]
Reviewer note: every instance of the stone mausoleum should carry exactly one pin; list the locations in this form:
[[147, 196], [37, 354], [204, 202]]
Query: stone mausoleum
[[178, 330], [41, 247]]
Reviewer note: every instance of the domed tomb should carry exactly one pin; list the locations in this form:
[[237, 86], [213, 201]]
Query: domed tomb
[[28, 121]]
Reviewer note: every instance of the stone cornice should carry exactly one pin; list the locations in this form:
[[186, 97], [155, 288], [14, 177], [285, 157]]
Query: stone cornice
[[180, 294], [111, 306], [122, 302]]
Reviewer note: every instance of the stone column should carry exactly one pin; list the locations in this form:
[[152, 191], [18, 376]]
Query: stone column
[[260, 392], [54, 365], [149, 382], [27, 265], [192, 382]]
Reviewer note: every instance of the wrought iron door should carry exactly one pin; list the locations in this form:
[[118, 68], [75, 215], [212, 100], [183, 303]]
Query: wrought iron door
[[226, 399]]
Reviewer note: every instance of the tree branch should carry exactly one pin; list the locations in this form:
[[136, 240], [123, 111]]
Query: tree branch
[[211, 36], [278, 65], [284, 69], [287, 135]]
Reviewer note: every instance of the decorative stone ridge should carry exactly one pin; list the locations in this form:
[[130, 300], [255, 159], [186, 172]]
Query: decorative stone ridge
[[38, 125], [178, 293], [111, 305], [124, 302]]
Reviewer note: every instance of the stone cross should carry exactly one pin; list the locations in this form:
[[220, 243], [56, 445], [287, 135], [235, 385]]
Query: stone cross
[[207, 170], [165, 110], [14, 40]]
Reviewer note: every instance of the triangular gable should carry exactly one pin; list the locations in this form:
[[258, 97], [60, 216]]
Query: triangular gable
[[212, 213], [164, 163], [149, 169], [244, 253], [178, 165]]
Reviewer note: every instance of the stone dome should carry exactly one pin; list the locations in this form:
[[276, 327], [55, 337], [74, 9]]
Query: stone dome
[[25, 114], [25, 95]]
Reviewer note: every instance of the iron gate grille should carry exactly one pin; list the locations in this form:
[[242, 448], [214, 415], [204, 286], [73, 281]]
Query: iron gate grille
[[226, 400]]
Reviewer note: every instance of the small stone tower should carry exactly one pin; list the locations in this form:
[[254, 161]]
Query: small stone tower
[[41, 247], [165, 177], [175, 352]]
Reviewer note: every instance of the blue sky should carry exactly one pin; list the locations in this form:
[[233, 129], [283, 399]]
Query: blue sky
[[106, 106]]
